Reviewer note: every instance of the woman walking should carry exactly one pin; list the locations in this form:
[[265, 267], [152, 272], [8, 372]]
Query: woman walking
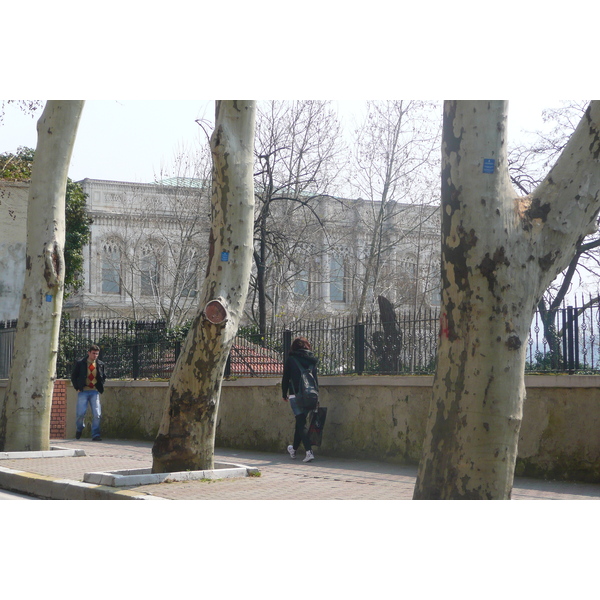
[[300, 352]]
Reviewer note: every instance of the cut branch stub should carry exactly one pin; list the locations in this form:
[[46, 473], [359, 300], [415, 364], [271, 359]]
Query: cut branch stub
[[215, 312]]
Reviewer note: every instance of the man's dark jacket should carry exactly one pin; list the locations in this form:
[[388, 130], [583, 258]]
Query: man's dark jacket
[[80, 371]]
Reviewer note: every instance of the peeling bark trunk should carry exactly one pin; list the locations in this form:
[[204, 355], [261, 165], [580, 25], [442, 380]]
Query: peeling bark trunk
[[25, 418], [499, 254], [186, 436]]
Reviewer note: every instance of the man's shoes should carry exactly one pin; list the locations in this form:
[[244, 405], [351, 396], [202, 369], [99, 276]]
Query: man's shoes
[[78, 435], [309, 456], [291, 451], [97, 439]]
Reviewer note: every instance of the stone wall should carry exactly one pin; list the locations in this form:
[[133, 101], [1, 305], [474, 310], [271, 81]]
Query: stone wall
[[380, 418]]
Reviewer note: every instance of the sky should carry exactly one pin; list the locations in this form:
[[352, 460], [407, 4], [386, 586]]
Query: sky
[[150, 57], [131, 140]]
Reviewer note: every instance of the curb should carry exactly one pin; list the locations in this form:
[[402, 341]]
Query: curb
[[49, 488], [54, 452]]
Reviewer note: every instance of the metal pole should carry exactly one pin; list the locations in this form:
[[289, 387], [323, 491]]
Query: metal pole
[[287, 342], [359, 348], [576, 338], [571, 349]]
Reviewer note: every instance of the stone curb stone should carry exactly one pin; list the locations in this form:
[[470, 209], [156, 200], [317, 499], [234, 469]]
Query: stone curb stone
[[137, 477]]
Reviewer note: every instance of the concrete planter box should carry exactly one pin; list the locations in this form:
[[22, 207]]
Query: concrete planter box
[[136, 477]]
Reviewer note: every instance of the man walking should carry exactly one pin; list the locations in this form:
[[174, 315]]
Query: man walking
[[88, 379]]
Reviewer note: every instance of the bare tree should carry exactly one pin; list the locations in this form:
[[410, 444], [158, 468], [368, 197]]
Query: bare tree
[[298, 158], [25, 416], [154, 253], [395, 162], [499, 253], [187, 432]]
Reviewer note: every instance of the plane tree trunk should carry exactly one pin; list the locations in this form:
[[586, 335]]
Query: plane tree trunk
[[499, 253], [186, 436], [25, 416]]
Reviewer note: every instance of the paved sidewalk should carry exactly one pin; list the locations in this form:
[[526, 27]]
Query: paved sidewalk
[[281, 478]]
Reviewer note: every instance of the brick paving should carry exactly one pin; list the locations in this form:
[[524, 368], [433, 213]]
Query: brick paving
[[281, 478]]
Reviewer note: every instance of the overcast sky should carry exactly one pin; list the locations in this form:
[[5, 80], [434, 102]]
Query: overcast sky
[[130, 140]]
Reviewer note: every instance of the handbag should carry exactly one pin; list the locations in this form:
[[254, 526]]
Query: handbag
[[317, 423]]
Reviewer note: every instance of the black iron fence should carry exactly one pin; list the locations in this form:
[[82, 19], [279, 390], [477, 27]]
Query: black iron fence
[[566, 340], [130, 349], [405, 346]]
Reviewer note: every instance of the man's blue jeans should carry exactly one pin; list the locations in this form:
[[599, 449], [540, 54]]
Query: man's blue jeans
[[91, 397]]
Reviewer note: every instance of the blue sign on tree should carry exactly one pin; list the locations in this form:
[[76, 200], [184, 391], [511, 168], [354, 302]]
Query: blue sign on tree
[[488, 165]]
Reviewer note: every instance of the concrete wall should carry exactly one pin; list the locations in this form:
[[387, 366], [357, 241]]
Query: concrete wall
[[381, 418], [560, 434]]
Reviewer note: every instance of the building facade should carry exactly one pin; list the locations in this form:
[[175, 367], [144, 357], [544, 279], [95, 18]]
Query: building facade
[[355, 251], [149, 251], [13, 240], [148, 246]]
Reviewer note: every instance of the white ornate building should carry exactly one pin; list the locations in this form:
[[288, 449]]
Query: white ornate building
[[149, 247], [13, 238]]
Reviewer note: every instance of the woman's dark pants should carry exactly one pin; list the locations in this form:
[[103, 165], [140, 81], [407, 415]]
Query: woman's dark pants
[[301, 432]]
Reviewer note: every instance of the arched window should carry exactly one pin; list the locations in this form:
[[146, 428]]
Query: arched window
[[409, 265], [302, 283], [111, 268], [149, 272], [337, 278], [305, 271], [190, 273]]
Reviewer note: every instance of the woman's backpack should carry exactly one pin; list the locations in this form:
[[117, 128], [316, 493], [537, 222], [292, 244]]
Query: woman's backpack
[[307, 397]]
